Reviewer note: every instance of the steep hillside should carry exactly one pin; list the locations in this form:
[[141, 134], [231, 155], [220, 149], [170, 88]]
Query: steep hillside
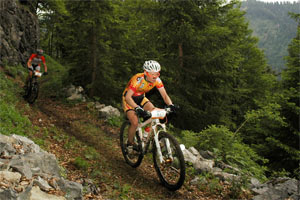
[[88, 147], [271, 23], [88, 151]]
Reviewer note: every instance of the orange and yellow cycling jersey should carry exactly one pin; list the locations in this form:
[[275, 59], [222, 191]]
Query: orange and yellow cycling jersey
[[139, 86]]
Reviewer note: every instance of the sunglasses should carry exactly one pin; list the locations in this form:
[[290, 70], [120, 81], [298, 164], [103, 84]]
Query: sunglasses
[[155, 74]]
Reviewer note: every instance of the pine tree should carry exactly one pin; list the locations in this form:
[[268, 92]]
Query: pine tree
[[291, 109]]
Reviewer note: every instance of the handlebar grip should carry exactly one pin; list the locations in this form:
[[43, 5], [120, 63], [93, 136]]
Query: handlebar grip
[[148, 115]]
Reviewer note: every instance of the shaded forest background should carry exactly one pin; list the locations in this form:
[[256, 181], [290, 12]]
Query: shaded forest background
[[273, 26], [231, 100]]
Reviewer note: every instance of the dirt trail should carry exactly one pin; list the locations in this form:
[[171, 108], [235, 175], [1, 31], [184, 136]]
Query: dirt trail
[[143, 180]]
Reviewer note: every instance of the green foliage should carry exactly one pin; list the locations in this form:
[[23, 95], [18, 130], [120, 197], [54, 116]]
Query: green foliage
[[63, 172], [237, 188], [214, 186], [11, 120], [91, 154], [55, 81], [229, 148], [39, 142], [268, 133], [71, 141], [115, 121], [125, 190], [15, 71], [80, 163], [283, 173], [189, 138]]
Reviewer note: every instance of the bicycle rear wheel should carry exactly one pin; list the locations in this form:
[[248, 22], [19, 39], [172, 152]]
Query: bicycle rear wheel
[[33, 93], [171, 171], [133, 159]]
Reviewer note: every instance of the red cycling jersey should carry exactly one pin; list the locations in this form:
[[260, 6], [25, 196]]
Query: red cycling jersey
[[35, 60]]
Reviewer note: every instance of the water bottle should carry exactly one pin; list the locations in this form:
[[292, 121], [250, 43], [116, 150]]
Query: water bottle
[[146, 133]]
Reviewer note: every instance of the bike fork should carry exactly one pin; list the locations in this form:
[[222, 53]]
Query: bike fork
[[158, 149], [168, 148]]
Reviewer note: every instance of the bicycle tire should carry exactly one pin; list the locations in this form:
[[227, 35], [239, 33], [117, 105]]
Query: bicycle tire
[[28, 90], [170, 167], [137, 159], [34, 92]]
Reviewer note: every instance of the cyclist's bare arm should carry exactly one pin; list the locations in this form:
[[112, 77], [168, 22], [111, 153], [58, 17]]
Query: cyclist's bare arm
[[165, 96], [29, 63], [45, 67], [129, 100]]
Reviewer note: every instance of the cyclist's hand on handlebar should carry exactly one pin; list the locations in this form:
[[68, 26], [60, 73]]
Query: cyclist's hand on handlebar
[[141, 112], [173, 108], [45, 73]]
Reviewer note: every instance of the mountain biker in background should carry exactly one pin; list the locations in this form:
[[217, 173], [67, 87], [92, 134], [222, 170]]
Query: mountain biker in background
[[134, 101], [34, 63]]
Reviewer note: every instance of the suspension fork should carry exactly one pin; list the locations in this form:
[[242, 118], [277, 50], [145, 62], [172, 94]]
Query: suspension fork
[[167, 143], [158, 149]]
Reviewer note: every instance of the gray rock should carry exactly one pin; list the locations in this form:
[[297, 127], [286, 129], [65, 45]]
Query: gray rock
[[204, 166], [277, 189], [254, 182], [108, 112], [19, 164], [189, 157], [73, 190], [19, 32], [7, 194], [26, 174], [12, 177], [37, 194], [42, 184]]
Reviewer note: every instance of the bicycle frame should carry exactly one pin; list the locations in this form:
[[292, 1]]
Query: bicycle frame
[[35, 75], [167, 155], [31, 92], [156, 128]]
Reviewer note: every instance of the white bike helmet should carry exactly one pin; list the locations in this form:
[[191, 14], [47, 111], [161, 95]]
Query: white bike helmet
[[39, 52], [151, 66]]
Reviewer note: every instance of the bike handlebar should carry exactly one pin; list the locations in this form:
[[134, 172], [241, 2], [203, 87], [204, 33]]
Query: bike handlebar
[[159, 113]]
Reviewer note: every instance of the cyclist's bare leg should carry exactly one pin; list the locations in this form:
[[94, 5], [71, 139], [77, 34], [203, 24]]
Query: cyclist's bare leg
[[148, 106], [133, 125]]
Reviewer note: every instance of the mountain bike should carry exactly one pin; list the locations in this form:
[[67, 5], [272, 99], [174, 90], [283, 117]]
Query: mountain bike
[[167, 155], [32, 91]]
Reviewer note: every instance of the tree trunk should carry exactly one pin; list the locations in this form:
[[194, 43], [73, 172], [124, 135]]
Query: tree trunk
[[180, 54], [94, 59]]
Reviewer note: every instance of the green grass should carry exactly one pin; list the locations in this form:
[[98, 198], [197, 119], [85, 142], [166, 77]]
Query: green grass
[[55, 81], [11, 119], [81, 163]]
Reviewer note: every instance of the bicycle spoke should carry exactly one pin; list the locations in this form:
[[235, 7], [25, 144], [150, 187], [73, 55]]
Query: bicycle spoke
[[171, 170], [133, 158]]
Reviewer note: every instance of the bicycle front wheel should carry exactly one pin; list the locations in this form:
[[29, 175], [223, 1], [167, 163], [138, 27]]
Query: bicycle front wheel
[[34, 92], [134, 159], [171, 167]]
